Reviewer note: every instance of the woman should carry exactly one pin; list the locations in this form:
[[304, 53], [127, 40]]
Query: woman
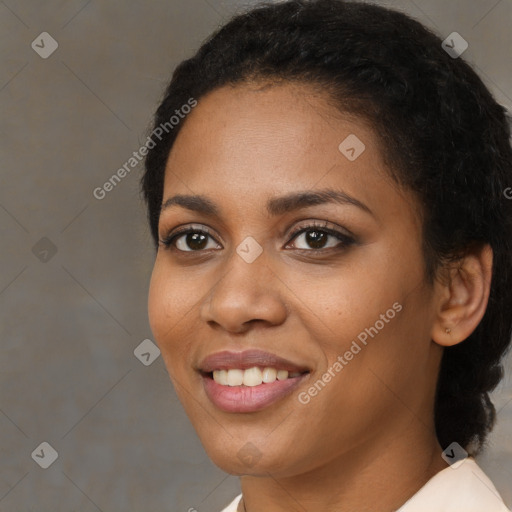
[[332, 286]]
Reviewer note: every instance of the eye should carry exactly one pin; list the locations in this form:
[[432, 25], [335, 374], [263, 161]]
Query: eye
[[313, 236], [189, 239], [316, 237]]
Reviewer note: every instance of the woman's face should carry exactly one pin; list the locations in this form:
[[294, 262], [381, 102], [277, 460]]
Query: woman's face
[[351, 315]]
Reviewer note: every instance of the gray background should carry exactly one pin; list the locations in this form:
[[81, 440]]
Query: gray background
[[70, 321]]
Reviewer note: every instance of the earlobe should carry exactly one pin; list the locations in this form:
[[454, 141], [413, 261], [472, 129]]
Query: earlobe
[[462, 299]]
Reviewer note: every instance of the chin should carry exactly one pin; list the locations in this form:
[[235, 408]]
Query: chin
[[249, 460]]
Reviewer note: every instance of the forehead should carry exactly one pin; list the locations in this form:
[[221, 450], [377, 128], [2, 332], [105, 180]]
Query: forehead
[[256, 140]]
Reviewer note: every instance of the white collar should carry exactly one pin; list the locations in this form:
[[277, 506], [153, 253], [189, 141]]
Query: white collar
[[464, 488]]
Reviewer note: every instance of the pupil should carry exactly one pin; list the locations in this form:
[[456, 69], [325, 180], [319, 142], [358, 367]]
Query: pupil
[[196, 240], [316, 239]]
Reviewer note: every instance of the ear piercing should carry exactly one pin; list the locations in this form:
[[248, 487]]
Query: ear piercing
[[448, 330]]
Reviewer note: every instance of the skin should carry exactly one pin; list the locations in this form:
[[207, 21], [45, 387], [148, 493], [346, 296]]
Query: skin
[[366, 441]]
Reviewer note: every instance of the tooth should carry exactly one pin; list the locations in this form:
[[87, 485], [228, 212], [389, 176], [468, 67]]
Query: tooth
[[235, 377], [252, 377], [269, 375], [221, 377]]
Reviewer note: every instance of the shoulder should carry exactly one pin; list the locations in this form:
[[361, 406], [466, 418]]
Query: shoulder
[[464, 488], [233, 505]]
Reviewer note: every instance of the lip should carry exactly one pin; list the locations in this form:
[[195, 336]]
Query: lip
[[240, 399], [227, 360]]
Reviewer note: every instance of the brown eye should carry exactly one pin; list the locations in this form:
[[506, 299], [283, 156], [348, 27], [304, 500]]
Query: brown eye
[[195, 241], [314, 238], [190, 240]]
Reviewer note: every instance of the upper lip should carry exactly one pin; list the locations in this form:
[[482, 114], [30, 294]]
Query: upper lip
[[226, 360]]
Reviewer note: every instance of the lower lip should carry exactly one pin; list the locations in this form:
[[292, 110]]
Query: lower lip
[[249, 398]]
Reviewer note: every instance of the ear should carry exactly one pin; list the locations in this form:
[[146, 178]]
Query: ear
[[462, 297]]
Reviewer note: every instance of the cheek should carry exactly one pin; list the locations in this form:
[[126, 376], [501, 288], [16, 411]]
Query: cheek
[[167, 307], [157, 298], [338, 309]]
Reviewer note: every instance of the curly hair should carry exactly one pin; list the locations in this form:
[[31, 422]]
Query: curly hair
[[441, 133]]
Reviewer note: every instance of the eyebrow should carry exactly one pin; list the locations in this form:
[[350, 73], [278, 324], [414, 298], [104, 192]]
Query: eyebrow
[[275, 206]]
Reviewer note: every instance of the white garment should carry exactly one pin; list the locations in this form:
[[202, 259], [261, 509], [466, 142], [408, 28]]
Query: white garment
[[463, 489]]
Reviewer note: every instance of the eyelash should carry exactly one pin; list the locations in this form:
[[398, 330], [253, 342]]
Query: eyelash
[[345, 240]]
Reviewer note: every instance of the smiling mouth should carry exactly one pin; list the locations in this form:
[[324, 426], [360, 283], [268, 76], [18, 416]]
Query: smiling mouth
[[244, 391]]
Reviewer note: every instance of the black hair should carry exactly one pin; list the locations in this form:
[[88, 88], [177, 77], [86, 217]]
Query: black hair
[[442, 134]]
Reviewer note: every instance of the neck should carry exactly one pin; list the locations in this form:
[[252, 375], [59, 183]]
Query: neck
[[364, 479]]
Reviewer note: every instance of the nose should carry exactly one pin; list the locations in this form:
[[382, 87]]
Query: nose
[[247, 294]]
